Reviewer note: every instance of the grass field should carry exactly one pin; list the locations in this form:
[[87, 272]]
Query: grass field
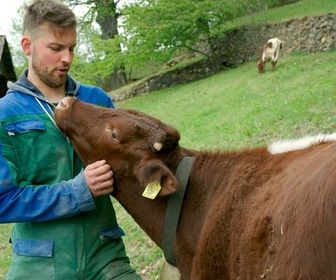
[[233, 109], [239, 108]]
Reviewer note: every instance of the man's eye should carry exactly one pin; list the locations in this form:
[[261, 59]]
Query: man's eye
[[56, 49]]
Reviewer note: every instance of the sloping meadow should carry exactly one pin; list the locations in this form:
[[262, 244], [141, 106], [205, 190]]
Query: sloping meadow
[[239, 108], [232, 109]]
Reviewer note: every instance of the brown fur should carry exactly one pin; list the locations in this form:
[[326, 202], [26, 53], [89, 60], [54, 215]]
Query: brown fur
[[246, 215]]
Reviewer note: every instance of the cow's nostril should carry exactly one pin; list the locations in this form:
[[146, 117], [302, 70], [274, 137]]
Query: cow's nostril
[[62, 104]]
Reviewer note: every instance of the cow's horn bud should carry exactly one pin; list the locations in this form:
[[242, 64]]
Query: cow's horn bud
[[157, 146]]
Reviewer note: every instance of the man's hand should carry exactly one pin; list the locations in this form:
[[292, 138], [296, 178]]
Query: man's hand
[[99, 177]]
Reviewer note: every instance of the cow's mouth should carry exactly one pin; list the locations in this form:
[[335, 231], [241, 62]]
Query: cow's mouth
[[65, 102]]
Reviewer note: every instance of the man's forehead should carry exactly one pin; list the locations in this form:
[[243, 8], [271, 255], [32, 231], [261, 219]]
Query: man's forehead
[[54, 34]]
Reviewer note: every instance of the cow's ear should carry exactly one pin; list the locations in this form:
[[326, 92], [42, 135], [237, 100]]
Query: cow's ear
[[154, 176]]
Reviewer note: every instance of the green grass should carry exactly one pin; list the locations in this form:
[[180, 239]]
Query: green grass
[[295, 10], [233, 109], [239, 108], [5, 249]]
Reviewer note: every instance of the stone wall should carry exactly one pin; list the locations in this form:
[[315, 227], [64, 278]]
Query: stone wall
[[307, 34]]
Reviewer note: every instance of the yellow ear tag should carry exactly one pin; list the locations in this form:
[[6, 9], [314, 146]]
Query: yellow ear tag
[[152, 190]]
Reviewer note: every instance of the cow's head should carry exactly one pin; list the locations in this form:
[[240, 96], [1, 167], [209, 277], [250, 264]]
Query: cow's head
[[261, 66], [133, 143]]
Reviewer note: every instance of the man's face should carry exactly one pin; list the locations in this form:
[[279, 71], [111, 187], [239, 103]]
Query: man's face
[[50, 55]]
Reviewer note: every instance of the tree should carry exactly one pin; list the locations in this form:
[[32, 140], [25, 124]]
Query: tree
[[19, 58], [156, 29], [111, 70]]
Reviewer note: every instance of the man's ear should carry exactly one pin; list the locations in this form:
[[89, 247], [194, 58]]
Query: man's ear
[[26, 45], [155, 172]]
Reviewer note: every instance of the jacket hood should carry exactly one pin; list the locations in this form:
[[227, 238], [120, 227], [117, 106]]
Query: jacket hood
[[23, 85]]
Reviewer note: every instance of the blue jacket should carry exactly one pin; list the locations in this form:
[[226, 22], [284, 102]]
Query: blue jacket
[[61, 231]]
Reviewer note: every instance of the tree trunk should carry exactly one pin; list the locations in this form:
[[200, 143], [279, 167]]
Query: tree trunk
[[107, 18]]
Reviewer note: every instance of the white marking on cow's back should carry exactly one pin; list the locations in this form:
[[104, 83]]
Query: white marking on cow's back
[[288, 145]]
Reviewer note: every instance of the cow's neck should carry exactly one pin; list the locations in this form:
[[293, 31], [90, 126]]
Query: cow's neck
[[148, 214]]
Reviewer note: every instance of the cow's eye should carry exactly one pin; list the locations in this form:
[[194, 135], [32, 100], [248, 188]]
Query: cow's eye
[[114, 134]]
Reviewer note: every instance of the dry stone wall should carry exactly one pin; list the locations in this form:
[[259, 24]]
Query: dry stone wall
[[307, 34]]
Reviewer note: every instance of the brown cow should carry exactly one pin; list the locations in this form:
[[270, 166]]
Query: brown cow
[[247, 214]]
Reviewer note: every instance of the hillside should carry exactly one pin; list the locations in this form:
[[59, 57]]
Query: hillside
[[240, 108], [232, 109], [303, 26]]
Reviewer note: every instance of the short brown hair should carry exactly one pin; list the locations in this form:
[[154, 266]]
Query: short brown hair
[[52, 12]]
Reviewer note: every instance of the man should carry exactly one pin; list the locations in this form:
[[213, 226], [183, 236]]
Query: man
[[65, 227]]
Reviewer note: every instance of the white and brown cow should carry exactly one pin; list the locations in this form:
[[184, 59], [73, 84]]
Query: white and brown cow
[[246, 214], [270, 53]]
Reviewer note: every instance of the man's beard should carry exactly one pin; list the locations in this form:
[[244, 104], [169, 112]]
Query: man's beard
[[48, 77]]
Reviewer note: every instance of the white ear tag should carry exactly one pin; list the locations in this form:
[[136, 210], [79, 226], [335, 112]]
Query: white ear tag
[[152, 190]]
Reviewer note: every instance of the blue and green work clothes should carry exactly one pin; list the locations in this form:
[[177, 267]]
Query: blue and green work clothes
[[61, 232]]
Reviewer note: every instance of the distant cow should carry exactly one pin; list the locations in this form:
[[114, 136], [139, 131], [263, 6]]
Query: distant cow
[[270, 53], [247, 214]]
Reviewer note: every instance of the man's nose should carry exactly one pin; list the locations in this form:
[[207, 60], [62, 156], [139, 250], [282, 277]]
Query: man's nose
[[67, 56]]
